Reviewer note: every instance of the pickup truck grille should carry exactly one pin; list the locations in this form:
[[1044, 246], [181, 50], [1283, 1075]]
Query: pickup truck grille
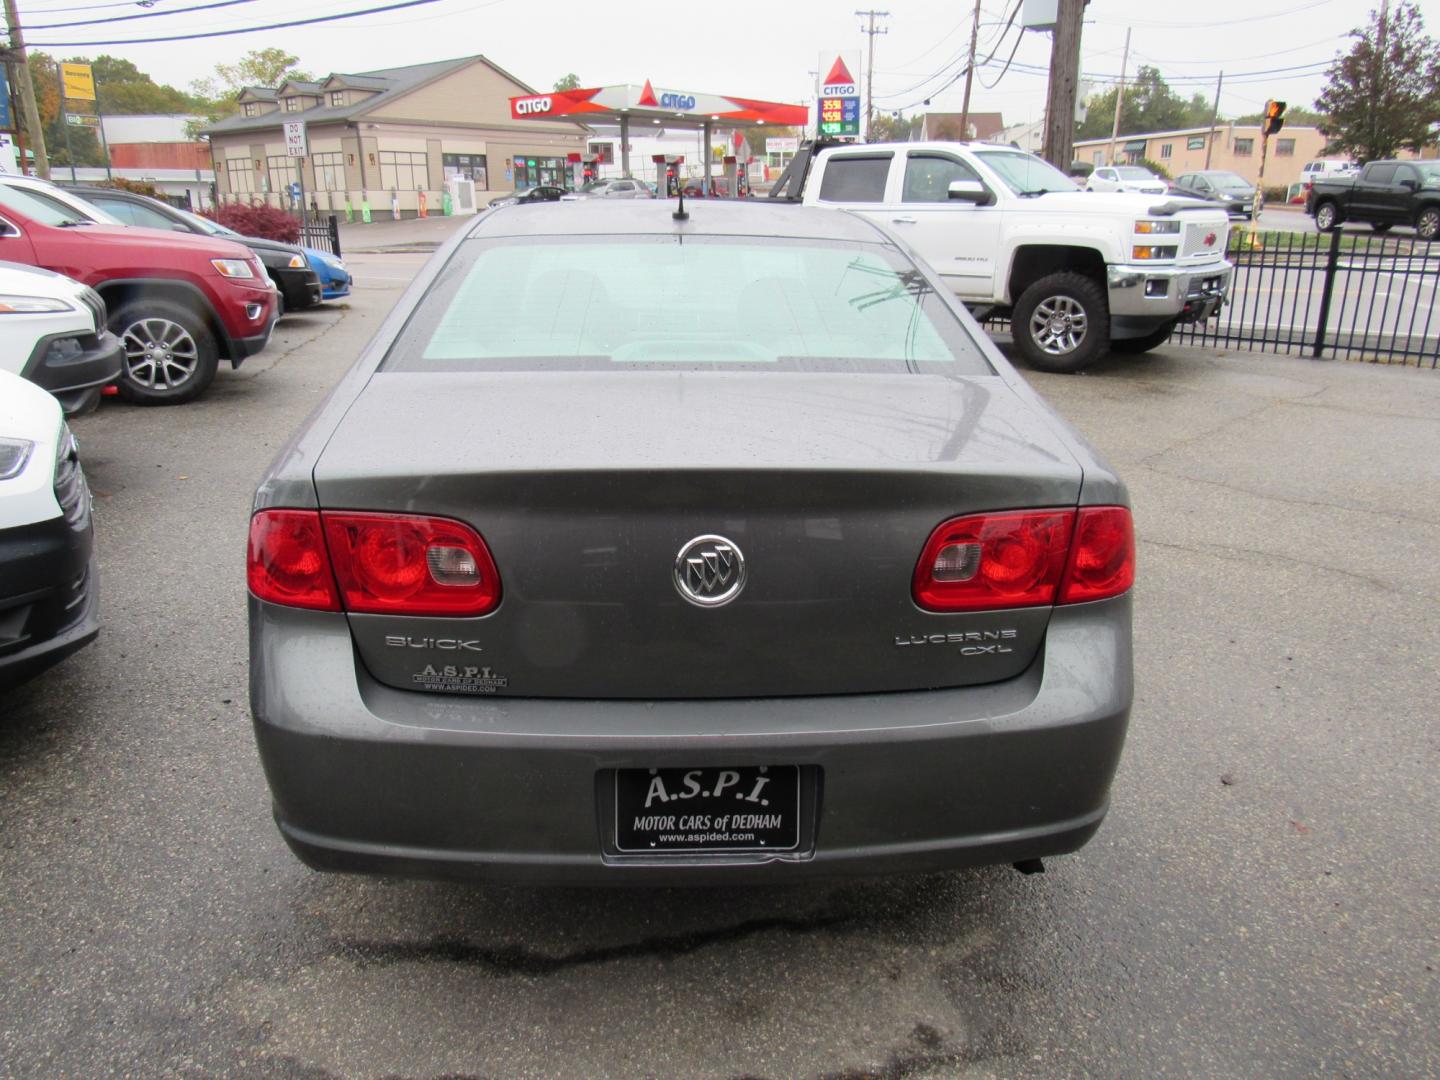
[[1197, 233]]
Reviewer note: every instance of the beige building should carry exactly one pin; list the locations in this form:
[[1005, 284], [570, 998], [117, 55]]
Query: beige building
[[389, 137], [1236, 148]]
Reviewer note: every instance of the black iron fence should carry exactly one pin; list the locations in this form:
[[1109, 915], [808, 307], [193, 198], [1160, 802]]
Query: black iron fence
[[321, 231], [1346, 295]]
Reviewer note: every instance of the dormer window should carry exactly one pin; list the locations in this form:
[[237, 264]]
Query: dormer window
[[251, 108], [292, 104], [337, 99]]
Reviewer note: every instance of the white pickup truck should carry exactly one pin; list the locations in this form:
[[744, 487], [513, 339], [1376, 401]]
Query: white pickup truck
[[1077, 272]]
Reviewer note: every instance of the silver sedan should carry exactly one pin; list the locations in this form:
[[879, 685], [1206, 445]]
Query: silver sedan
[[724, 548]]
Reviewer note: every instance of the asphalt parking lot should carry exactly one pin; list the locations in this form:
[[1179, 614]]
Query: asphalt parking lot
[[1264, 899]]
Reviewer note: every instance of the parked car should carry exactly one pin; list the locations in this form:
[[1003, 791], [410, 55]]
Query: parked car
[[335, 276], [1011, 234], [797, 579], [1325, 169], [49, 597], [1230, 190], [178, 303], [53, 332], [538, 193], [1130, 178], [287, 265], [694, 187], [1382, 194], [625, 187]]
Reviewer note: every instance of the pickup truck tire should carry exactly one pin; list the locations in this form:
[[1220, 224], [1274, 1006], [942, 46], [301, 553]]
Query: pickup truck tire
[[1061, 323], [1143, 344], [170, 353], [1327, 216], [1427, 223]]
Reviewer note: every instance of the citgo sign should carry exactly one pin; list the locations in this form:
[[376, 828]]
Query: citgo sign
[[531, 106]]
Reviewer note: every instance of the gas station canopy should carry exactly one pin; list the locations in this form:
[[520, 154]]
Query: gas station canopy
[[673, 108]]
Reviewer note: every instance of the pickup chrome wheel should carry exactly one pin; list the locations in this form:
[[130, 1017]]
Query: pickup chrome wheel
[[1325, 217], [170, 354], [1061, 322], [1427, 225]]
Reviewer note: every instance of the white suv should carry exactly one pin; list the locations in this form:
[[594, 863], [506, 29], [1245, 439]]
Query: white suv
[[1130, 178], [52, 332]]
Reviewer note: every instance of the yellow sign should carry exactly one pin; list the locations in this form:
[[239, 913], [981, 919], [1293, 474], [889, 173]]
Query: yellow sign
[[79, 81]]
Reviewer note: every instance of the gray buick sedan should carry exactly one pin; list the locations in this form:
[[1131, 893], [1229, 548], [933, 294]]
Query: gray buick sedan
[[646, 549]]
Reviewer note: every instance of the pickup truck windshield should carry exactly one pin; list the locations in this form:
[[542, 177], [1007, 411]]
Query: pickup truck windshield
[[1026, 174], [707, 303]]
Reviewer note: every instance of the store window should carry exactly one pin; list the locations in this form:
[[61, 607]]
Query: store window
[[1166, 150], [532, 171], [466, 167], [282, 172], [402, 170], [1099, 157], [1244, 147], [241, 174], [604, 151], [251, 108], [1284, 147], [329, 172], [337, 98], [292, 104]]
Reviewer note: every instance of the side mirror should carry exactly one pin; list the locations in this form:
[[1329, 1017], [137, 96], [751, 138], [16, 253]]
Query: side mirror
[[971, 191]]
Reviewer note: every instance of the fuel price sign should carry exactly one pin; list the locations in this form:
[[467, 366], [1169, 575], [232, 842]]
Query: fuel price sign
[[840, 116]]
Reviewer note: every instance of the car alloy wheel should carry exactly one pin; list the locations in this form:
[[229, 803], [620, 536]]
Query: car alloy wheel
[[159, 354], [1058, 325], [1428, 224], [1325, 218]]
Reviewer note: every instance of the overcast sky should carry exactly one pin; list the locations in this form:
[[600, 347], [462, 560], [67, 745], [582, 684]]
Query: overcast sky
[[752, 49]]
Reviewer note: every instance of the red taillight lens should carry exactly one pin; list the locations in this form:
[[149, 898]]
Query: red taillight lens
[[287, 562], [994, 561], [403, 565], [1102, 556], [1026, 559]]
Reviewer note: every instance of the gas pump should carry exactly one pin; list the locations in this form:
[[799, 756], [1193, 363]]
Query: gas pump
[[667, 174], [732, 174], [574, 170], [742, 179]]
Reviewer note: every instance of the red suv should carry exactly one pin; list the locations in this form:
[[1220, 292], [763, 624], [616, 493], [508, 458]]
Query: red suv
[[178, 302]]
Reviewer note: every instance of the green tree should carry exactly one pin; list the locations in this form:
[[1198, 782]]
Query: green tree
[[1295, 116], [126, 90], [84, 144], [259, 67], [1149, 105], [896, 127], [1384, 95], [568, 82]]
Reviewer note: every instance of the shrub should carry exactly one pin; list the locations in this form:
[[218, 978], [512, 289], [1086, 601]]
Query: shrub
[[266, 222], [1277, 195], [132, 186], [1155, 167]]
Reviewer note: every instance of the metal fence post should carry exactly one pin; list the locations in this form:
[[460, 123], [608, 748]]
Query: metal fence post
[[1326, 290], [335, 235]]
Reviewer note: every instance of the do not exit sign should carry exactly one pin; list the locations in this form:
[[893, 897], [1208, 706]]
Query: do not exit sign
[[295, 138]]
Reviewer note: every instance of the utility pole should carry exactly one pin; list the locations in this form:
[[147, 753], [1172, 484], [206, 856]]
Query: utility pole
[[16, 53], [872, 15], [1119, 99], [1214, 119], [1064, 79], [970, 74]]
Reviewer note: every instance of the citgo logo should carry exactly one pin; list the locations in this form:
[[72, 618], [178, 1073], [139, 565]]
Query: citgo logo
[[677, 101], [530, 106]]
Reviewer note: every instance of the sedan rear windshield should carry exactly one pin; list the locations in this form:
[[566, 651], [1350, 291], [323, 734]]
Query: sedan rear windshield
[[691, 303]]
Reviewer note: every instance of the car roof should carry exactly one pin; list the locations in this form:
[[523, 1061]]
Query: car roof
[[649, 217]]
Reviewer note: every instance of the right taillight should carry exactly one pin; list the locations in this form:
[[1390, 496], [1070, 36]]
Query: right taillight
[[400, 564], [1102, 555], [1027, 558]]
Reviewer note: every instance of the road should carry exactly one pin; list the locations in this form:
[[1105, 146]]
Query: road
[[1264, 899]]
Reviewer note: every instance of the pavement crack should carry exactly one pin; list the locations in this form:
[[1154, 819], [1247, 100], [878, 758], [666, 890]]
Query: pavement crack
[[516, 960], [1223, 551], [252, 373]]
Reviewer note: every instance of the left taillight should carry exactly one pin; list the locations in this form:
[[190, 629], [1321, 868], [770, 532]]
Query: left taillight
[[1030, 558], [371, 563], [287, 562]]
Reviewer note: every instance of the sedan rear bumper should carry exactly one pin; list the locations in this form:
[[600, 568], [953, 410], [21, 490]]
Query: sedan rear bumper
[[367, 778]]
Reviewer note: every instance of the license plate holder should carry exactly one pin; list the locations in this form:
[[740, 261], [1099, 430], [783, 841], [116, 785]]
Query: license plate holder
[[689, 811]]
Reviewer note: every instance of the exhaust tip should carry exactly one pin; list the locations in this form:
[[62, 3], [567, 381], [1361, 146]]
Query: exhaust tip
[[1030, 866]]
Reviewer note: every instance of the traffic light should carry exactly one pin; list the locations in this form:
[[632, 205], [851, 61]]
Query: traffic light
[[1274, 117]]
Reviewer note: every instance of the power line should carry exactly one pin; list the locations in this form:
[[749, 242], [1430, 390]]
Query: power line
[[1171, 25], [228, 33], [144, 15], [92, 7]]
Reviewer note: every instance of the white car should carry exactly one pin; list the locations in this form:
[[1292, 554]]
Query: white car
[[52, 332], [49, 600], [1129, 178]]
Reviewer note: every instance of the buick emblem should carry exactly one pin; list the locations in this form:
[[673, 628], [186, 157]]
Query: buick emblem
[[710, 571]]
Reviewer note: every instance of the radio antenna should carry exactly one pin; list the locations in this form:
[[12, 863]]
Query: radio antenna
[[680, 214]]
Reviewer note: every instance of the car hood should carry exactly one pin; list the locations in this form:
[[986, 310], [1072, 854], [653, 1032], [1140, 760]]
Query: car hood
[[257, 243], [136, 236], [1120, 203]]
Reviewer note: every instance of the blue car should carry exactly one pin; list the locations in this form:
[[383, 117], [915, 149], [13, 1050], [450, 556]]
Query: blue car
[[334, 278]]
